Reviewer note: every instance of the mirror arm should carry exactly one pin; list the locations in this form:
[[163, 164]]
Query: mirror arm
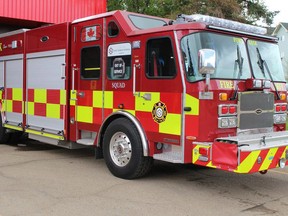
[[207, 85]]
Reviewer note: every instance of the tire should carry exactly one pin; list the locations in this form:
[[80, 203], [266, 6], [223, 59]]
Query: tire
[[123, 151], [4, 136]]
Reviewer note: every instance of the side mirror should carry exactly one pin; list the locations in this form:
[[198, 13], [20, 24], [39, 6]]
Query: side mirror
[[206, 61]]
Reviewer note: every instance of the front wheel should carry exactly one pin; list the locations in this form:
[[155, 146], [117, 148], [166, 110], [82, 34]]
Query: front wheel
[[123, 151]]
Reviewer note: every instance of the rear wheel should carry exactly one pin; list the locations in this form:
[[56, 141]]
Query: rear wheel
[[123, 151], [4, 136]]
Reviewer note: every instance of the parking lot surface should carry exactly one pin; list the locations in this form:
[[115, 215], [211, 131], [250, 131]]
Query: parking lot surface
[[45, 180]]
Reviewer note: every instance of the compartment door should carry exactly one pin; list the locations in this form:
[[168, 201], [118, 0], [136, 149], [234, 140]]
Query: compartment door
[[46, 94], [1, 83], [12, 84]]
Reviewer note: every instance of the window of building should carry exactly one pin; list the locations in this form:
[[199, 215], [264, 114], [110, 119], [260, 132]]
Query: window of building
[[160, 58], [90, 63]]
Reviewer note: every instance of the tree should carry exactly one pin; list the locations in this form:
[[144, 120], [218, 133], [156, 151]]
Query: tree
[[248, 11], [255, 10]]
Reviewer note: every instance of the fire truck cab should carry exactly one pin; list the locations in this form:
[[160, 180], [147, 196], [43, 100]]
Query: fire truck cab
[[198, 90]]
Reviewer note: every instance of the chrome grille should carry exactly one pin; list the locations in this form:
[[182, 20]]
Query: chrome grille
[[255, 110]]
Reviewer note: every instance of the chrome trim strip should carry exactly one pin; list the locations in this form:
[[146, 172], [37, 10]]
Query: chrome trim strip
[[19, 31], [12, 57], [46, 53], [178, 50]]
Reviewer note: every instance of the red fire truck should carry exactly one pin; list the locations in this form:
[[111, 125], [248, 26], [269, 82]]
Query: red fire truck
[[198, 90]]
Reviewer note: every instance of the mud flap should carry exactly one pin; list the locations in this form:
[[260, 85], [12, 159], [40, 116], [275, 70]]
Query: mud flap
[[224, 155]]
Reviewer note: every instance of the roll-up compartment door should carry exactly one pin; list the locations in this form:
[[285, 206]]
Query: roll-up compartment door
[[46, 94]]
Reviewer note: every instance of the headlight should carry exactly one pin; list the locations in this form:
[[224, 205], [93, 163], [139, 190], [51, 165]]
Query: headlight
[[280, 118], [227, 122], [267, 84]]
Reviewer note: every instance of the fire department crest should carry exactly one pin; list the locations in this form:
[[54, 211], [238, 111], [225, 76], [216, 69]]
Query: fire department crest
[[159, 112]]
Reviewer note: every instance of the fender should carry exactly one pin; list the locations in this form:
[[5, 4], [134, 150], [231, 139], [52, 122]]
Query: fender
[[121, 113]]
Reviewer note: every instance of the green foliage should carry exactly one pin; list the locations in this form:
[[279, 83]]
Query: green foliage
[[255, 10], [248, 11]]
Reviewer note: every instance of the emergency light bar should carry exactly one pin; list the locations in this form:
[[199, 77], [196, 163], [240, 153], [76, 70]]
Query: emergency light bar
[[222, 23]]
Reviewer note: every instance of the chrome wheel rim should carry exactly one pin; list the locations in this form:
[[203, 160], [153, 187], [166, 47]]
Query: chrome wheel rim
[[120, 149]]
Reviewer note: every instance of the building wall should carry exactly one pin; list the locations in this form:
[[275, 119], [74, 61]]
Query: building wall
[[50, 11]]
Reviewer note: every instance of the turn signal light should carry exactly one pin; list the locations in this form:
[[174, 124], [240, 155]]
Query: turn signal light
[[223, 97], [283, 97]]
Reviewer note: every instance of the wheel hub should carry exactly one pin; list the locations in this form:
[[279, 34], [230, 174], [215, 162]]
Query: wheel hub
[[120, 149]]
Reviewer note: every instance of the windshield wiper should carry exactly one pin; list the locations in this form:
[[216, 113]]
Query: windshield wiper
[[263, 65], [190, 71], [260, 62], [238, 61]]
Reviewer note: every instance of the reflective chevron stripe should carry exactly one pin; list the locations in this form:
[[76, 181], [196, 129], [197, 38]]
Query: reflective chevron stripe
[[248, 161]]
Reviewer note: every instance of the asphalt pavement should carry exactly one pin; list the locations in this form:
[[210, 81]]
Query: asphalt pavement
[[38, 179]]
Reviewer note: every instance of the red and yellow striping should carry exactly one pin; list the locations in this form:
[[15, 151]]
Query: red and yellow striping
[[13, 101], [41, 102], [1, 100], [88, 109], [270, 158], [48, 103], [247, 161]]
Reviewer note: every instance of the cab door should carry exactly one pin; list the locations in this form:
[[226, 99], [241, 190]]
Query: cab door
[[86, 87], [159, 94]]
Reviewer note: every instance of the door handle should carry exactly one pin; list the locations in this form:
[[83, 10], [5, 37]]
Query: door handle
[[81, 94], [63, 76], [135, 67], [147, 96], [74, 69]]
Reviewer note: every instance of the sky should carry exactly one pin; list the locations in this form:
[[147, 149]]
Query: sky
[[278, 5]]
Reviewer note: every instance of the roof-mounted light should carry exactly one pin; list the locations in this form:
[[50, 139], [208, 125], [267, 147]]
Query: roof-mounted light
[[222, 23]]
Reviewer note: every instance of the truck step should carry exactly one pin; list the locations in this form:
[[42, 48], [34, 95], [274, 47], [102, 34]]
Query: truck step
[[173, 157], [88, 142]]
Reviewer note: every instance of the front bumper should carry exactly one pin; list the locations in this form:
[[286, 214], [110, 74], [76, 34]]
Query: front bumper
[[245, 153]]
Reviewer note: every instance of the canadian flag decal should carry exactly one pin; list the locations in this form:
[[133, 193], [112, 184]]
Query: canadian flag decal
[[91, 33]]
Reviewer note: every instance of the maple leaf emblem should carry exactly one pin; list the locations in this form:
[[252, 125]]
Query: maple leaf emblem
[[90, 33]]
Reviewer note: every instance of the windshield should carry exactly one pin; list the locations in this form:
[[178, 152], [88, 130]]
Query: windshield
[[232, 60], [268, 53]]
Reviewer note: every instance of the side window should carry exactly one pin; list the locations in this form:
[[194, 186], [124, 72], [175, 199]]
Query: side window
[[119, 61], [113, 29], [160, 59], [90, 63]]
